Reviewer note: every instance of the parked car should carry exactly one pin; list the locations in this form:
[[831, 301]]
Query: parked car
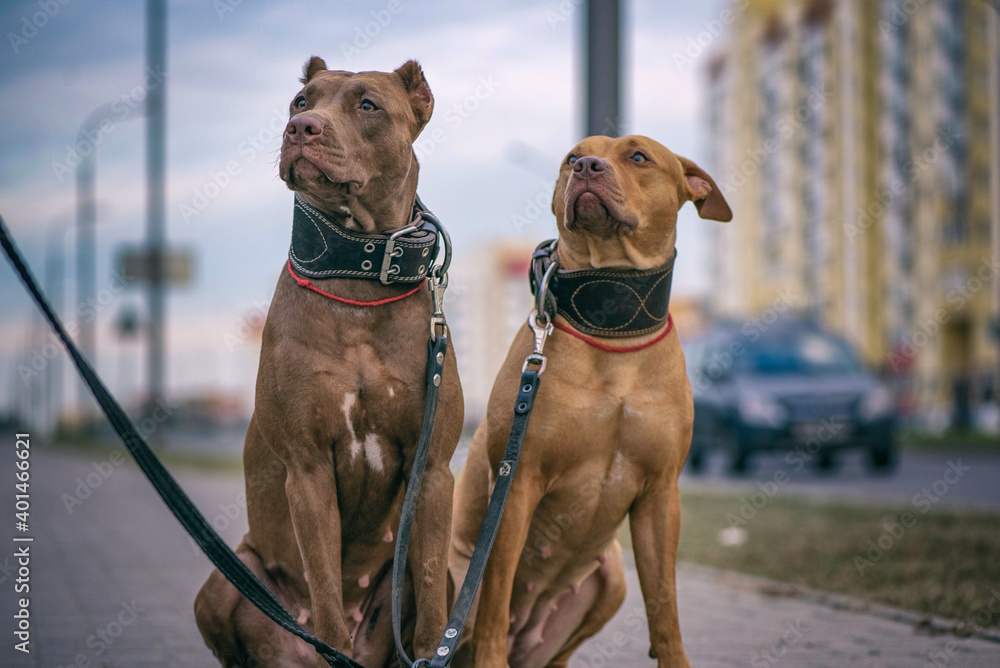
[[790, 387]]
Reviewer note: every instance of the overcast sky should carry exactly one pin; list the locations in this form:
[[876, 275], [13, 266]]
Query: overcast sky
[[232, 70]]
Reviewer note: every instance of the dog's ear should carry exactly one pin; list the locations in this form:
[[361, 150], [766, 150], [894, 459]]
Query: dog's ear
[[420, 93], [704, 193], [309, 70]]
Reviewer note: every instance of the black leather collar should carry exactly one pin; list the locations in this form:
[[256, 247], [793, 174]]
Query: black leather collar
[[606, 302], [323, 249]]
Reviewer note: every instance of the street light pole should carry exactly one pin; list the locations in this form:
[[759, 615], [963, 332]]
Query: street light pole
[[156, 60], [86, 243], [994, 86], [55, 259], [603, 68]]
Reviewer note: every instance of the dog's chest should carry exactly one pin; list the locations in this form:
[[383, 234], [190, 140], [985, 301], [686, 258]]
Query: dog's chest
[[369, 433]]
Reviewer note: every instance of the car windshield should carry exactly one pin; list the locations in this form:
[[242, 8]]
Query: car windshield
[[806, 353]]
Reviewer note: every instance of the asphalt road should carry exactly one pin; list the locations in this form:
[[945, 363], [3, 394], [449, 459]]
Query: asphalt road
[[939, 478], [113, 577]]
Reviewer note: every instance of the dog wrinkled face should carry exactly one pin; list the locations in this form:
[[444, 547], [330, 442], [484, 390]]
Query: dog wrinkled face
[[622, 195], [350, 135]]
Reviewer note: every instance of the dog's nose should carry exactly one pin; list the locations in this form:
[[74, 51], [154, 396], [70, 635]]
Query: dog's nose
[[589, 165], [304, 129]]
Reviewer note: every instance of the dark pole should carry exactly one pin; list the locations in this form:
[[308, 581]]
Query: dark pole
[[603, 67], [156, 61], [96, 124], [86, 263], [54, 281]]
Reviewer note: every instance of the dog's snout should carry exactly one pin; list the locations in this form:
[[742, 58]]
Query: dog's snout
[[304, 129], [589, 165]]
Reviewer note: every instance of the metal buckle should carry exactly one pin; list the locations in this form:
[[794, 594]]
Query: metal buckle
[[388, 269]]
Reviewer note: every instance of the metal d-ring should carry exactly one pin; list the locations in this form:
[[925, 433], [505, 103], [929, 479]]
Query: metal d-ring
[[445, 241], [542, 292]]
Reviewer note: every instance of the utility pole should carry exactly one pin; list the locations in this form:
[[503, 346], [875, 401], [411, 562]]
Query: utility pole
[[994, 85], [156, 61], [86, 248], [603, 68]]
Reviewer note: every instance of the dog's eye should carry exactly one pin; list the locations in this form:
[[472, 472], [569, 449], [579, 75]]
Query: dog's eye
[[639, 157], [368, 105], [300, 102], [571, 159]]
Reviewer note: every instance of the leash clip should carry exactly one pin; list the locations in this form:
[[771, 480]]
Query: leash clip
[[541, 330], [437, 276], [437, 285]]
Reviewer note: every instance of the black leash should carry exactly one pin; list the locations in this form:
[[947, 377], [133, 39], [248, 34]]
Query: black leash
[[491, 523], [173, 496], [226, 560], [531, 373]]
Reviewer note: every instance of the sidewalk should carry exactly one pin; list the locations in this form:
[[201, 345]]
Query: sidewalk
[[113, 583]]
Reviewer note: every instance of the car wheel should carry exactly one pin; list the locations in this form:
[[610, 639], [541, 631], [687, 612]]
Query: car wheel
[[882, 458], [739, 462], [826, 462], [696, 459]]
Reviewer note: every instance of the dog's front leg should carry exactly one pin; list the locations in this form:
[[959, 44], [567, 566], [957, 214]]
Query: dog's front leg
[[655, 521], [428, 557], [312, 499], [493, 615]]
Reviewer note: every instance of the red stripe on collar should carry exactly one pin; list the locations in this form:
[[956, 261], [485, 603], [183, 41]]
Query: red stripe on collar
[[613, 349], [306, 283]]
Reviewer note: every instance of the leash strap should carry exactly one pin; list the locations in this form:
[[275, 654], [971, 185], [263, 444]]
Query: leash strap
[[173, 496], [494, 512], [437, 350]]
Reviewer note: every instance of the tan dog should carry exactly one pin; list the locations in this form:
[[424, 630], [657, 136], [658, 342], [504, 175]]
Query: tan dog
[[607, 438], [339, 404]]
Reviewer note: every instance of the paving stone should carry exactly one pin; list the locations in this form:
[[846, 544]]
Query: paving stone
[[122, 544]]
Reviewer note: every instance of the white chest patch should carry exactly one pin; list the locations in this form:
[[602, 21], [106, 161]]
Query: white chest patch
[[617, 472], [370, 445], [355, 446], [373, 452]]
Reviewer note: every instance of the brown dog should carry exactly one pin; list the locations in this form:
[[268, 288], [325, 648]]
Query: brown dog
[[607, 438], [340, 400]]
